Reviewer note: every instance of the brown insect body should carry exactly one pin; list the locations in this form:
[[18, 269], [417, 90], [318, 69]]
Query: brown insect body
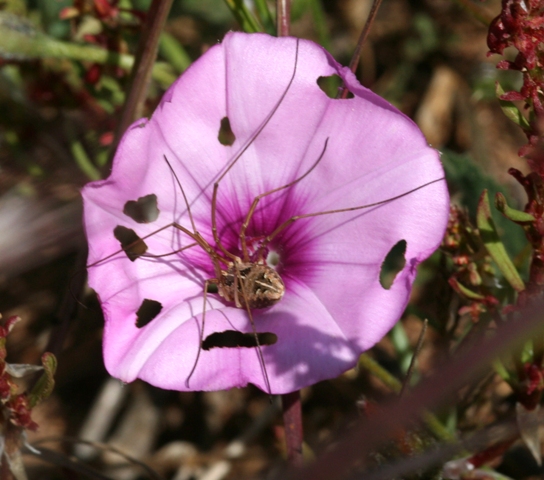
[[251, 285]]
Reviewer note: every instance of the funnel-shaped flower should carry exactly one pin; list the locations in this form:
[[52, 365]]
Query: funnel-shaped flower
[[334, 306]]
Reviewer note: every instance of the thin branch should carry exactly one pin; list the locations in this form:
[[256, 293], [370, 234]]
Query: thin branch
[[143, 66], [292, 421], [362, 38], [406, 381]]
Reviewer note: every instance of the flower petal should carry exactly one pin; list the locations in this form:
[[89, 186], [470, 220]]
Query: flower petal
[[351, 153]]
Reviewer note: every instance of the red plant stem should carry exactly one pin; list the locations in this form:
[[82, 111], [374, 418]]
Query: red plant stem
[[362, 38], [292, 421], [143, 64], [283, 17]]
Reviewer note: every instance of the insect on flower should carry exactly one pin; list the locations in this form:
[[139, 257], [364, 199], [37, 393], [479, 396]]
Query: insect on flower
[[249, 179]]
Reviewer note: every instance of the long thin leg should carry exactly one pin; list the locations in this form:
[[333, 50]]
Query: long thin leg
[[199, 240], [243, 150], [193, 226], [150, 255], [285, 224], [133, 244], [260, 351], [258, 198], [201, 339], [250, 315]]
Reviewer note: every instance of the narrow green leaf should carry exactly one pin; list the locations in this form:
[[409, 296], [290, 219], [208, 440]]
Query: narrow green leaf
[[503, 372], [83, 161], [320, 23], [460, 288], [493, 243], [174, 52], [265, 16], [245, 18], [434, 425], [510, 109], [22, 41], [46, 383], [516, 216]]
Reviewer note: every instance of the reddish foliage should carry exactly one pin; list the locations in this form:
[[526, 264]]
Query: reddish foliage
[[521, 25], [535, 378], [471, 265], [20, 412]]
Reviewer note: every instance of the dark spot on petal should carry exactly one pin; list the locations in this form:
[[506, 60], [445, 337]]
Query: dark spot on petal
[[234, 339], [226, 135], [393, 263], [131, 243], [148, 310], [331, 86], [143, 210]]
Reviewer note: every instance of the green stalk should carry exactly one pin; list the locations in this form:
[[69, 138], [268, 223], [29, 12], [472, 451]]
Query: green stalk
[[21, 41], [430, 420]]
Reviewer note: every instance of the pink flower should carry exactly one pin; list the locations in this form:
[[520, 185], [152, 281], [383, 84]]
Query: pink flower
[[334, 306]]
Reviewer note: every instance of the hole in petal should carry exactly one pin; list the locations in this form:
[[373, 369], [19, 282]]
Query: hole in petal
[[393, 263], [234, 339], [143, 210], [148, 310], [131, 243], [331, 85], [226, 135]]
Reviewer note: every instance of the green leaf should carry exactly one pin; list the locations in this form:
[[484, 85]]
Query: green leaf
[[22, 41], [516, 216], [244, 16], [174, 52], [467, 180], [493, 243], [510, 109], [265, 16], [458, 287], [83, 161], [504, 373], [46, 383]]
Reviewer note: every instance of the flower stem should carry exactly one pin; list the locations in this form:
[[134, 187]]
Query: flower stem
[[362, 38], [292, 421], [283, 17]]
